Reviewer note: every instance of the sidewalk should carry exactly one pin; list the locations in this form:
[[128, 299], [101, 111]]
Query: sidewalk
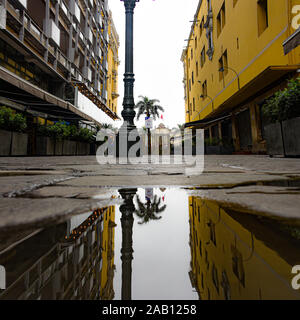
[[36, 191]]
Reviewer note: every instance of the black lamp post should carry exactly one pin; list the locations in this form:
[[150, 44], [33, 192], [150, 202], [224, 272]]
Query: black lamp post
[[128, 112], [123, 144]]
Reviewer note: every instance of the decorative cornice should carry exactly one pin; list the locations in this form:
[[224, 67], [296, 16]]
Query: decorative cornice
[[130, 5]]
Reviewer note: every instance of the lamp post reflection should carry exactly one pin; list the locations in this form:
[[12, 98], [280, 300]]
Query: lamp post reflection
[[127, 209]]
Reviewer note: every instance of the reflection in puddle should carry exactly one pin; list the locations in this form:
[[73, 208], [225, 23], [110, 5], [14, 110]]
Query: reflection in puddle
[[159, 244], [237, 256], [71, 260]]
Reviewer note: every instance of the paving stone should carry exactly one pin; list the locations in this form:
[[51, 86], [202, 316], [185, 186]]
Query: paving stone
[[279, 203], [23, 212]]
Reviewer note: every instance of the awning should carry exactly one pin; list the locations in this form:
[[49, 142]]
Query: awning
[[90, 95], [17, 90], [292, 42], [200, 124], [255, 88]]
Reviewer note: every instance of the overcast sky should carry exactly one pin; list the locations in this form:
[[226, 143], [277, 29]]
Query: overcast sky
[[160, 28]]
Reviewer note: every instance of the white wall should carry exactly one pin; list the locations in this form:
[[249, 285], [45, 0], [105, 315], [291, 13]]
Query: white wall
[[88, 107]]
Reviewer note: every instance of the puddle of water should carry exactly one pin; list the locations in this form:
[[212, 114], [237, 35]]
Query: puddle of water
[[160, 244]]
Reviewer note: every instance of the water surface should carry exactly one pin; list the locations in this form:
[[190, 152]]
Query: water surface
[[160, 243]]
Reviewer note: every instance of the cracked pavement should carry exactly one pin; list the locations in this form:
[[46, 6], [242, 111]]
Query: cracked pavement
[[36, 191]]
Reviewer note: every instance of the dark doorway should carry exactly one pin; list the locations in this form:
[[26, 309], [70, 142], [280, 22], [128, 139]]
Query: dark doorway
[[244, 127]]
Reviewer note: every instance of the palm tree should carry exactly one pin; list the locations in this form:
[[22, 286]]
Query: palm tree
[[148, 107], [149, 210]]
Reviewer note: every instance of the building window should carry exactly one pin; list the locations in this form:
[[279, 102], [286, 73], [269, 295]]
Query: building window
[[194, 106], [204, 89], [202, 57], [223, 65], [212, 231], [197, 69], [221, 19], [191, 54], [262, 16], [200, 248], [215, 278], [196, 42], [237, 265], [201, 27]]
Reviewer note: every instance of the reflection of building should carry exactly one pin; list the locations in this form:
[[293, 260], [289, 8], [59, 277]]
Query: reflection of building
[[71, 261], [231, 67], [108, 267], [236, 256]]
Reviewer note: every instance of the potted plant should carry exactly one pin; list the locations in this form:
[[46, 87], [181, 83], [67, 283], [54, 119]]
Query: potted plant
[[14, 139], [45, 141], [283, 112], [69, 136], [84, 138]]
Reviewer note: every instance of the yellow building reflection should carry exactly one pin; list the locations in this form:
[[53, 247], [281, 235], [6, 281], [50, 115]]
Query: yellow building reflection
[[108, 245], [238, 256]]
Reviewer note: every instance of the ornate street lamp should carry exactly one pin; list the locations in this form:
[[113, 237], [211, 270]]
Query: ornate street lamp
[[128, 112], [123, 144]]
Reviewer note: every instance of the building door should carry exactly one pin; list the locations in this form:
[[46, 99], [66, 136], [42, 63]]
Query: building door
[[227, 132], [244, 128]]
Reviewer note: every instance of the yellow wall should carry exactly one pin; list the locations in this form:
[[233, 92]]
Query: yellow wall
[[249, 53], [267, 273], [108, 237], [113, 65]]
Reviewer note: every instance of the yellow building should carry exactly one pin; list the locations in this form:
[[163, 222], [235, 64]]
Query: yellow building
[[233, 61], [113, 64], [237, 256]]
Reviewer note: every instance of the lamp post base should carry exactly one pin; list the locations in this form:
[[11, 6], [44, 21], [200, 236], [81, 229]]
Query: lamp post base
[[128, 142]]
